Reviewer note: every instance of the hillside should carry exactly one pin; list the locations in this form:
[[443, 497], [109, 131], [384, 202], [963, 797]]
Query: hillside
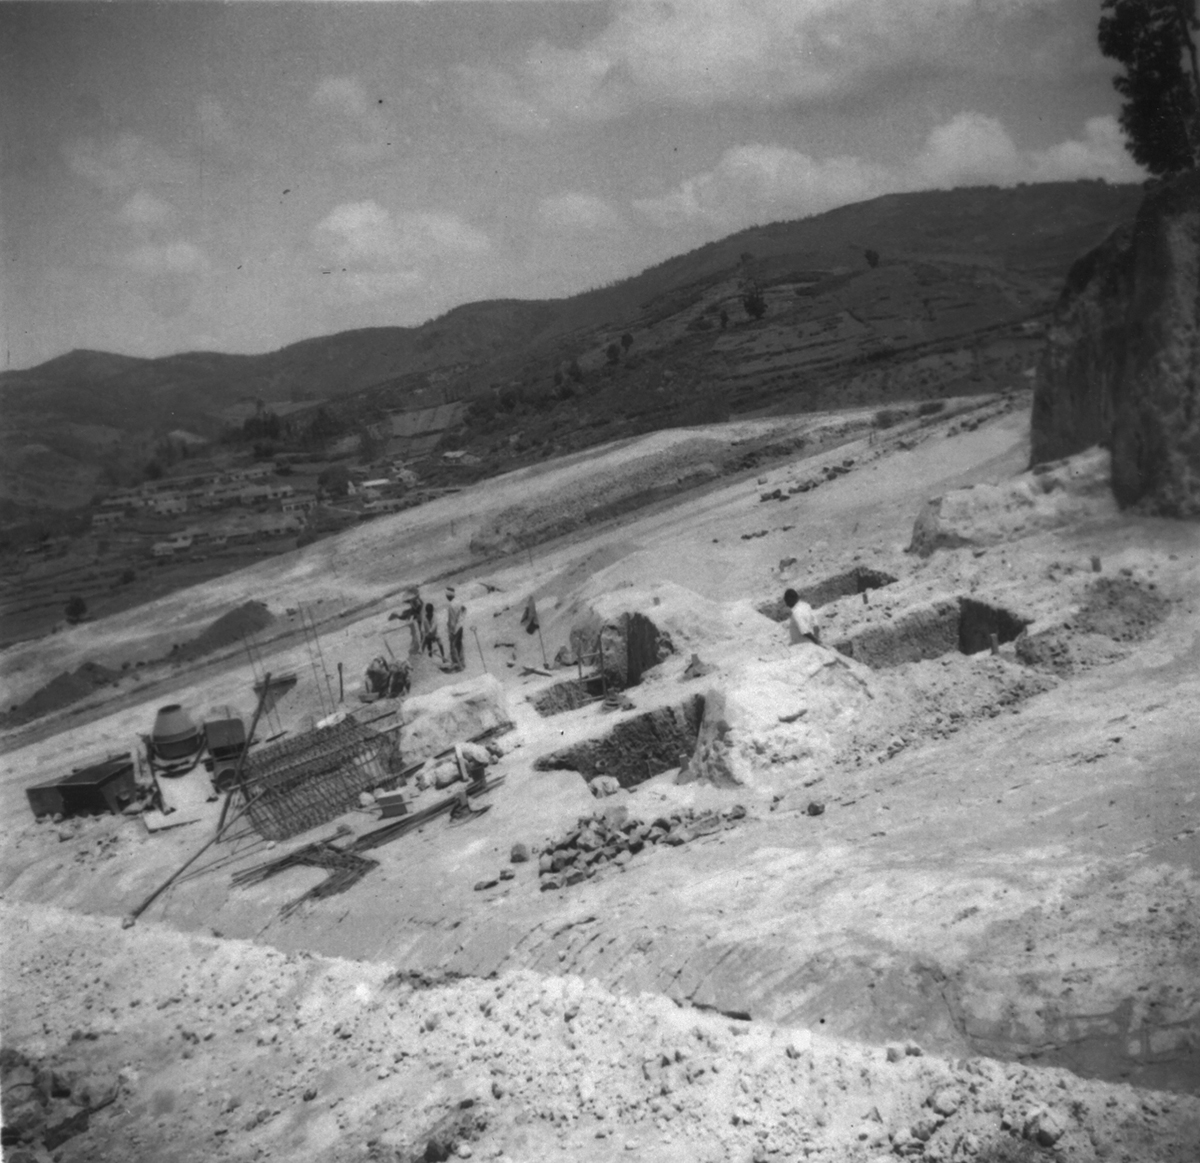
[[953, 267]]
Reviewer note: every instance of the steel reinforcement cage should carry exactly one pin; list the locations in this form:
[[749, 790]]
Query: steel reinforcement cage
[[306, 781]]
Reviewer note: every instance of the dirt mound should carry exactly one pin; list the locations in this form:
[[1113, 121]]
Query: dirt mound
[[1122, 609], [604, 492], [1116, 611], [60, 692], [229, 630]]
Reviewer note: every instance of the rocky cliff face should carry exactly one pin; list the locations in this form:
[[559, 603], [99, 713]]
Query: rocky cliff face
[[1122, 364]]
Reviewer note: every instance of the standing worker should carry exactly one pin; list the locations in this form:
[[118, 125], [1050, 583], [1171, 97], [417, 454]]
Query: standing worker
[[431, 636], [414, 614], [455, 613], [802, 622]]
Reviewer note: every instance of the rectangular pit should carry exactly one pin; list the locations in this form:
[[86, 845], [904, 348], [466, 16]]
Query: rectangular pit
[[635, 749], [569, 695], [952, 625], [847, 584]]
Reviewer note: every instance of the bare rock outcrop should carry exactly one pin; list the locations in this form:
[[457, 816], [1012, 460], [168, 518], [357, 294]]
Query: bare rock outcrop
[[1122, 362], [436, 721], [773, 724], [1047, 496]]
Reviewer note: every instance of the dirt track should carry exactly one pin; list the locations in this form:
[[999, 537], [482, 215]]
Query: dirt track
[[1006, 864]]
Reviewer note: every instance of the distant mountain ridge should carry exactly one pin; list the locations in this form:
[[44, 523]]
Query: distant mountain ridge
[[1028, 234]]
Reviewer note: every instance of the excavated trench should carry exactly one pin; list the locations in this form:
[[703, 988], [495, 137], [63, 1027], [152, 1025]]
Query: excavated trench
[[635, 749], [622, 650], [569, 695], [858, 580], [965, 625]]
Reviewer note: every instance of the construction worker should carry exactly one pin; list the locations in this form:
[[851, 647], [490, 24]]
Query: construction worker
[[456, 612], [414, 614], [802, 622], [430, 635]]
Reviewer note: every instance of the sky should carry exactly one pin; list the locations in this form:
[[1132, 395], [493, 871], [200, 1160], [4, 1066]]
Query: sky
[[239, 176]]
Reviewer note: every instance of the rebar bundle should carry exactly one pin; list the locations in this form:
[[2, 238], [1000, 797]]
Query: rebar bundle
[[309, 779], [345, 870]]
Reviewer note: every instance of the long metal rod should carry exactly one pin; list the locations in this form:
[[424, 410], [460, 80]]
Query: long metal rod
[[313, 663], [321, 656]]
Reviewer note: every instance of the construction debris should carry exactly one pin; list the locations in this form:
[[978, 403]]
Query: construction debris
[[615, 836], [346, 868]]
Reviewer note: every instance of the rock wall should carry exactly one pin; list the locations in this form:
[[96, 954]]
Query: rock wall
[[1122, 362]]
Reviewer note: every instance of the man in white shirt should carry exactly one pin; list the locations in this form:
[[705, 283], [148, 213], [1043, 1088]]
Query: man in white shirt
[[802, 622], [456, 614]]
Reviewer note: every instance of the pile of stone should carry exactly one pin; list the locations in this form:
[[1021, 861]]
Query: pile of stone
[[614, 837], [43, 1107], [831, 471]]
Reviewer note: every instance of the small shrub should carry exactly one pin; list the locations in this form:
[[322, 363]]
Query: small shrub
[[754, 303], [931, 408], [886, 417]]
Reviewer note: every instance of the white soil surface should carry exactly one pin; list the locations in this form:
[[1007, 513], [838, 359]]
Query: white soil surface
[[1005, 871]]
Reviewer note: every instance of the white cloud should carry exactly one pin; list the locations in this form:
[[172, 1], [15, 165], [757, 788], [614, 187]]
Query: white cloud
[[364, 130], [761, 183], [145, 210], [166, 276], [123, 163], [576, 211], [168, 258], [216, 127], [384, 252], [766, 52]]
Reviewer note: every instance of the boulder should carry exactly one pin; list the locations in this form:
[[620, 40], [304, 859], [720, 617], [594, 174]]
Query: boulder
[[742, 742], [434, 722], [1122, 360], [1046, 497]]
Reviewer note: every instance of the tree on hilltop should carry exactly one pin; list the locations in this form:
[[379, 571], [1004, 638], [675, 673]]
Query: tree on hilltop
[[754, 303], [1155, 41]]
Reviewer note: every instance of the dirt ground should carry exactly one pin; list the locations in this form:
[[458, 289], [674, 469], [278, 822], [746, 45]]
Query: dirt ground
[[1001, 873]]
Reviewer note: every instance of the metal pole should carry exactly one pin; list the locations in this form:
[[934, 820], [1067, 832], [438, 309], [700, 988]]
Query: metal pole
[[480, 645], [312, 661], [321, 656]]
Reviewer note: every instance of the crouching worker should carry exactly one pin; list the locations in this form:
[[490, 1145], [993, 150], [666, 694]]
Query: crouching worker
[[802, 622], [386, 680]]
